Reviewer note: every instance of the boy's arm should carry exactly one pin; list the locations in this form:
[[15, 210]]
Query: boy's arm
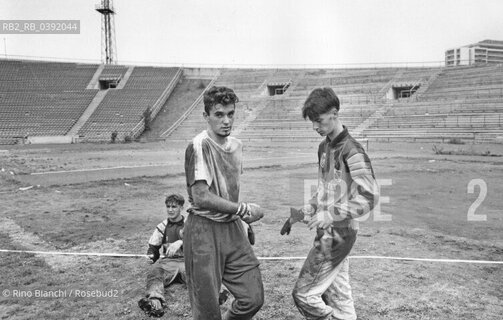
[[153, 252], [364, 191], [364, 194], [199, 176], [205, 199], [155, 242], [173, 248]]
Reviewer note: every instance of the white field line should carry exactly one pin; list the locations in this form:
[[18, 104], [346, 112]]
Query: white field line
[[128, 255], [293, 156], [31, 241], [99, 169]]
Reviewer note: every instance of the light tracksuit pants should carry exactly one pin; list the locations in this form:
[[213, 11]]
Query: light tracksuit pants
[[322, 290]]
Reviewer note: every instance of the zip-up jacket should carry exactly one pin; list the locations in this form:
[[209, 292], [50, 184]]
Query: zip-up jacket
[[347, 188], [164, 234]]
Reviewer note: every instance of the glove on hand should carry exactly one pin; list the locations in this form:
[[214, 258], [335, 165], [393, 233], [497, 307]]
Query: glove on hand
[[251, 235], [296, 215]]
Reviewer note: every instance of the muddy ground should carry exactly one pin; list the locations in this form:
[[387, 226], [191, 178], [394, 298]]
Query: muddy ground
[[108, 198]]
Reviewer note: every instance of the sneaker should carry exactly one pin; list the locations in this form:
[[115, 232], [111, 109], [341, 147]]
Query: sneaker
[[224, 295], [152, 307]]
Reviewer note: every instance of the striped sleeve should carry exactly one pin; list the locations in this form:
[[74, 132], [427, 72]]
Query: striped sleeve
[[197, 161], [364, 191], [158, 234]]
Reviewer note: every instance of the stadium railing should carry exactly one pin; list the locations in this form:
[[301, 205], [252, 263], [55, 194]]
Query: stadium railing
[[140, 127], [184, 116]]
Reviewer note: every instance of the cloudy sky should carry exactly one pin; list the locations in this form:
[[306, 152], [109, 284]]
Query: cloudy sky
[[260, 32]]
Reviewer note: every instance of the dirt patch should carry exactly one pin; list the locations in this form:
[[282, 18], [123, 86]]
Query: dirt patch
[[427, 201]]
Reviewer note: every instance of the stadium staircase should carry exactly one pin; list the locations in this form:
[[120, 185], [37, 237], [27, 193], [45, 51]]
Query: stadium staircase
[[191, 120], [425, 85], [123, 110], [384, 90], [384, 105], [93, 84], [181, 99], [127, 75], [376, 116], [98, 98]]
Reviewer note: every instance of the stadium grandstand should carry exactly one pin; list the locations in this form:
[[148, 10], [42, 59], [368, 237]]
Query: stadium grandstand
[[51, 102]]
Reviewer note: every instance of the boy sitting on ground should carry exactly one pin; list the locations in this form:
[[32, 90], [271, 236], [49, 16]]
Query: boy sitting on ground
[[170, 267]]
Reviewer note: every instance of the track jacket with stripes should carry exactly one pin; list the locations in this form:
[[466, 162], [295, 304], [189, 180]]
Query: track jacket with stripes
[[347, 188]]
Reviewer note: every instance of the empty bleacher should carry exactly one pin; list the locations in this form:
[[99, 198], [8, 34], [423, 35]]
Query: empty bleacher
[[264, 117], [466, 82], [42, 99], [464, 103], [122, 110], [26, 76], [47, 98]]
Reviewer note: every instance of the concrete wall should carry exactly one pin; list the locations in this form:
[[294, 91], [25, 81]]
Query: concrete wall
[[464, 56], [200, 73], [50, 139]]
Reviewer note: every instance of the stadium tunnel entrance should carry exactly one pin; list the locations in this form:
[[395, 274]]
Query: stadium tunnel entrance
[[277, 88], [109, 82], [402, 91]]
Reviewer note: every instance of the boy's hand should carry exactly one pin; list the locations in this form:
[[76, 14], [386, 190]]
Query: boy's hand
[[151, 258], [328, 240], [287, 227], [296, 215], [251, 235], [322, 220], [173, 248], [256, 213]]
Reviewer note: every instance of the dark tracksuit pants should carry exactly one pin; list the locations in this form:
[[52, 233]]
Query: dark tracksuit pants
[[162, 274], [217, 253]]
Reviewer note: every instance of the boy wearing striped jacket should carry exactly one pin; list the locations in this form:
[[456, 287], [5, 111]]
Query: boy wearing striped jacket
[[346, 190]]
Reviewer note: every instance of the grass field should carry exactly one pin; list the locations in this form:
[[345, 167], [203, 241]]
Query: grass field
[[425, 194]]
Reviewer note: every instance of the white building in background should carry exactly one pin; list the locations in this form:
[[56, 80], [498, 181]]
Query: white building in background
[[487, 51]]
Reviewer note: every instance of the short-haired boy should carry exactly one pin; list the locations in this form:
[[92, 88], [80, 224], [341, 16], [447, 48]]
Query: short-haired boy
[[169, 268], [347, 190]]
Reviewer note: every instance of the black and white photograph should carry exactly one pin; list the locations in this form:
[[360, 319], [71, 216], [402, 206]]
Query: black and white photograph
[[238, 160]]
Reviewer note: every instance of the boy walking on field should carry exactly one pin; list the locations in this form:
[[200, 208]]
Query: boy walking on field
[[346, 190]]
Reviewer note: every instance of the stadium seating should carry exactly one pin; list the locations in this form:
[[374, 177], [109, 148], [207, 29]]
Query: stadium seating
[[42, 98], [122, 109], [264, 117], [462, 103], [47, 98]]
